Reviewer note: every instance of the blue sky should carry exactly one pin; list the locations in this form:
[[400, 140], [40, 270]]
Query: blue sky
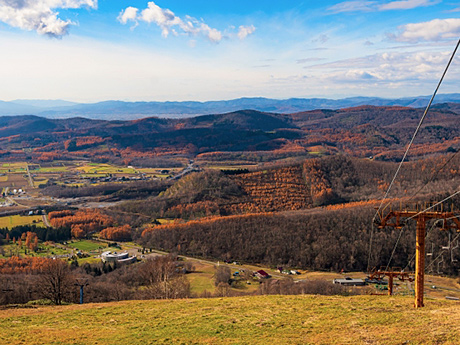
[[89, 50]]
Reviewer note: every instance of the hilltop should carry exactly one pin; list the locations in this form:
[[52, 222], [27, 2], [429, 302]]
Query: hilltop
[[303, 319]]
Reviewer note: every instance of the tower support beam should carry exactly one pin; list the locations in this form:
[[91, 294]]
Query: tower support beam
[[419, 261]]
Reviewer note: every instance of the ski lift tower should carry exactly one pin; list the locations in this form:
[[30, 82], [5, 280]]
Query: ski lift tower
[[421, 215]]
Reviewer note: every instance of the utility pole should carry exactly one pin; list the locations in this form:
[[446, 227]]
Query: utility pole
[[421, 215], [81, 282]]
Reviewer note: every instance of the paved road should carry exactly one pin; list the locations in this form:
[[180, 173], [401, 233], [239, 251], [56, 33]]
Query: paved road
[[31, 182]]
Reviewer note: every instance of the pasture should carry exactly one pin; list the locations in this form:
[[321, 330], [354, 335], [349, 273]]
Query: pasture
[[87, 245], [17, 220], [303, 319]]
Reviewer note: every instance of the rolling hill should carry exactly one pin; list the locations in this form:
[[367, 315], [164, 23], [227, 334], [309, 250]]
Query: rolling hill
[[360, 131]]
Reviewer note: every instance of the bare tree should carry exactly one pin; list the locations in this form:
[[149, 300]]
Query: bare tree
[[163, 279], [223, 275], [55, 281]]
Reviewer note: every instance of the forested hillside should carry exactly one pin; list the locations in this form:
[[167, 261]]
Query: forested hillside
[[316, 214], [313, 182], [361, 131]]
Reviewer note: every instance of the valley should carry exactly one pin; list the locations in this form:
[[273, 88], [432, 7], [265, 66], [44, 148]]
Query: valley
[[278, 204]]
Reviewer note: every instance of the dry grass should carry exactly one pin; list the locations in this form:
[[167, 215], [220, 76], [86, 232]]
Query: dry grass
[[242, 320], [17, 220]]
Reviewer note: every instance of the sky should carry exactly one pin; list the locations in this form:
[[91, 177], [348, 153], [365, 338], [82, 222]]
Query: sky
[[179, 50]]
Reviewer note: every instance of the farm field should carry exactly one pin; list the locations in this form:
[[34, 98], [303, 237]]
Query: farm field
[[304, 319], [17, 220], [13, 180], [44, 250], [19, 167], [87, 245], [93, 168]]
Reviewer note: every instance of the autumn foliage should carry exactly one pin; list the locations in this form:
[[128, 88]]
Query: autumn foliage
[[16, 265], [82, 222], [279, 189], [120, 233]]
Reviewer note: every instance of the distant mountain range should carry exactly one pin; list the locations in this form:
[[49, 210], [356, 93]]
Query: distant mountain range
[[119, 110]]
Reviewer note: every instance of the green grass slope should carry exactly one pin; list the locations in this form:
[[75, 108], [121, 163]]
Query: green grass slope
[[244, 320]]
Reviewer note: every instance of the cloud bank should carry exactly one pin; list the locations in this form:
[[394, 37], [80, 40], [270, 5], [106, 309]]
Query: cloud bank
[[434, 30], [170, 23], [40, 15]]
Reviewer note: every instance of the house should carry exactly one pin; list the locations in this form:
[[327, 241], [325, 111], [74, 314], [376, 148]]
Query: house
[[261, 274]]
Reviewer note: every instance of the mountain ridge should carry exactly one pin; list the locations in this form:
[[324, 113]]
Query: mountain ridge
[[120, 110]]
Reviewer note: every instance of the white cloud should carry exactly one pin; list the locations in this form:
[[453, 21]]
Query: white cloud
[[387, 67], [130, 13], [245, 31], [370, 6], [353, 6], [434, 30], [40, 15], [407, 4], [170, 23]]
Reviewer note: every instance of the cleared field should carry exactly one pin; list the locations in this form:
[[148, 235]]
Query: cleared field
[[43, 251], [105, 169], [12, 221], [51, 169], [242, 320], [13, 180], [87, 245], [165, 221], [39, 181], [19, 167], [201, 279]]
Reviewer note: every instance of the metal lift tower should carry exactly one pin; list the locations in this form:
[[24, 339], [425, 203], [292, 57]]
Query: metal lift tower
[[421, 215]]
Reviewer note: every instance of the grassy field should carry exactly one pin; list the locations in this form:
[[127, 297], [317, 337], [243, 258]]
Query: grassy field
[[105, 169], [44, 251], [242, 320], [19, 167], [202, 278], [87, 245], [12, 221], [51, 169]]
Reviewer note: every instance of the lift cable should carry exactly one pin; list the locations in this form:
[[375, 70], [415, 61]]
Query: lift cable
[[418, 128], [428, 232], [433, 261], [409, 146], [433, 206], [435, 174]]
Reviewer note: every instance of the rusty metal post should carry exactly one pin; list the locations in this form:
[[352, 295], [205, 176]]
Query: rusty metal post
[[419, 261]]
